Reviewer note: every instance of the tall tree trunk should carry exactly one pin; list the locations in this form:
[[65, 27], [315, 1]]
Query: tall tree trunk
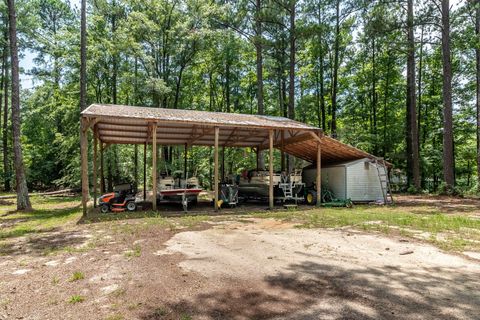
[[114, 55], [413, 168], [23, 200], [318, 103], [374, 99], [419, 88], [385, 106], [448, 152], [291, 88], [83, 57], [477, 58], [177, 87], [259, 57], [321, 64], [135, 102], [227, 84], [335, 70], [420, 105], [113, 167], [280, 107], [284, 96], [83, 84], [6, 163], [322, 95], [2, 83]]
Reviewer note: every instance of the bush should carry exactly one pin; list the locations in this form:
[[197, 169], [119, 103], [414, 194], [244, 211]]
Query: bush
[[449, 191], [412, 190]]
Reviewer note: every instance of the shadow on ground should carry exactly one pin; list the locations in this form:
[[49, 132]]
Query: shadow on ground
[[167, 210], [45, 242], [315, 291], [439, 204], [41, 216], [31, 233]]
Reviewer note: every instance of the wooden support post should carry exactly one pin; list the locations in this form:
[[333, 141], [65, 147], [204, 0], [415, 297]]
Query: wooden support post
[[154, 167], [185, 164], [223, 164], [135, 163], [215, 170], [95, 168], [257, 152], [319, 175], [102, 174], [145, 171], [84, 163], [282, 141], [270, 169]]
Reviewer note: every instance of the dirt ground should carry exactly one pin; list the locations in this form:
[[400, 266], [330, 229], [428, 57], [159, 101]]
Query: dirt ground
[[468, 206], [240, 269]]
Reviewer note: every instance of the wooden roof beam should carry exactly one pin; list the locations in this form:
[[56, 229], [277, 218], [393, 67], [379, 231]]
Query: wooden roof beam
[[291, 140], [244, 140], [230, 136], [316, 135], [204, 132]]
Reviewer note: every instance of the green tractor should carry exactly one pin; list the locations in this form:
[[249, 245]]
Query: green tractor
[[327, 197]]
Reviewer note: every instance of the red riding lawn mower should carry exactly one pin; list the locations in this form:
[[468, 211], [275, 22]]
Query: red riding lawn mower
[[121, 199]]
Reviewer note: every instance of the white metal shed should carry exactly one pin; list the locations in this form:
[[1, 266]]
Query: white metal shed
[[357, 180]]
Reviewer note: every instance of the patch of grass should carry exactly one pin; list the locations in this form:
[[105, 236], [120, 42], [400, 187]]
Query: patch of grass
[[77, 275], [17, 232], [454, 244], [23, 263], [192, 221], [244, 221], [133, 306], [456, 232], [135, 252], [76, 299], [463, 230], [159, 312], [68, 249], [5, 247], [185, 317], [55, 280], [49, 213], [4, 302]]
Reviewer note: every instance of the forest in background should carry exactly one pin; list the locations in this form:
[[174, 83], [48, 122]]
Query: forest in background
[[398, 79]]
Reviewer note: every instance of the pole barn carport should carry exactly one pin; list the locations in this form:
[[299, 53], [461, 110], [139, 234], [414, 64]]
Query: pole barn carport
[[119, 124]]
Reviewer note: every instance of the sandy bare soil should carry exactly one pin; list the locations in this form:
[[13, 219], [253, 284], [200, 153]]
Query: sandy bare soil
[[245, 269], [326, 274], [452, 205]]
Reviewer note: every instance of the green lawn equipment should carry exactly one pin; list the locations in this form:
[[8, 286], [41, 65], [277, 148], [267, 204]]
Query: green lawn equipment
[[328, 199]]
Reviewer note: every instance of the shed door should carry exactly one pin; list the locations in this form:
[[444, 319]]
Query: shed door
[[363, 182]]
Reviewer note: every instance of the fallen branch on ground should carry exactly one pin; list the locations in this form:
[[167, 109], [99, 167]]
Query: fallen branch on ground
[[51, 193]]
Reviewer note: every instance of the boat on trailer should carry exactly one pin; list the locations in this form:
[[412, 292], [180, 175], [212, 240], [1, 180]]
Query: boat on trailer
[[178, 189], [254, 184]]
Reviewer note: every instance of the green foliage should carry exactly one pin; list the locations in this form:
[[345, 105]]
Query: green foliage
[[200, 55], [77, 275], [76, 299], [412, 190]]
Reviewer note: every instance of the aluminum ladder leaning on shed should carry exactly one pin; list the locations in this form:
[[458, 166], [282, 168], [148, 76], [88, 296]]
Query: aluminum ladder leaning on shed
[[384, 180]]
